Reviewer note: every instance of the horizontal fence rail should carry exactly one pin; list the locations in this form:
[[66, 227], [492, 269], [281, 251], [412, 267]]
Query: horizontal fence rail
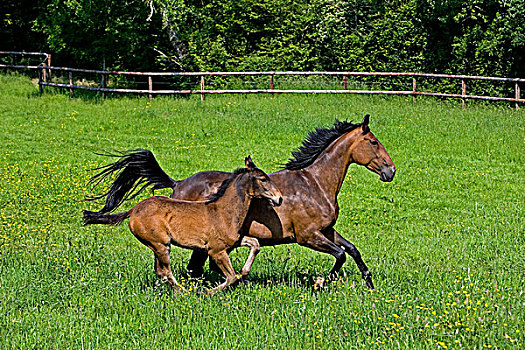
[[23, 53], [45, 60], [44, 70]]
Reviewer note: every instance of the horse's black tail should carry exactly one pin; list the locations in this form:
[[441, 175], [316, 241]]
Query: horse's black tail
[[95, 217], [138, 170]]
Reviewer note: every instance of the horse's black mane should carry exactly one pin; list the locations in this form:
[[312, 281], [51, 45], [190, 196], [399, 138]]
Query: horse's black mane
[[316, 142], [224, 185]]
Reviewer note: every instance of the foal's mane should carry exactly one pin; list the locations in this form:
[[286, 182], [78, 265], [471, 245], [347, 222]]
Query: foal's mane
[[224, 185], [316, 142]]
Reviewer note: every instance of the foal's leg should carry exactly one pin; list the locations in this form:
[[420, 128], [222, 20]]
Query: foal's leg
[[224, 263], [335, 237], [162, 263], [253, 243]]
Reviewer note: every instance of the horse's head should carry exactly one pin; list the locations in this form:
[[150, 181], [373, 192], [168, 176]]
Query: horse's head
[[369, 152], [260, 185]]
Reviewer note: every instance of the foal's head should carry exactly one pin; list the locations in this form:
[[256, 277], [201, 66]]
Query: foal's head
[[259, 184], [369, 152]]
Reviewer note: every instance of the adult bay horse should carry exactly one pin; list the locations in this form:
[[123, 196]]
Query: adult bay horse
[[309, 182], [212, 226]]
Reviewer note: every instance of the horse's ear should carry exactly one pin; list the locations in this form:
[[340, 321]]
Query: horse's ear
[[248, 162], [364, 124]]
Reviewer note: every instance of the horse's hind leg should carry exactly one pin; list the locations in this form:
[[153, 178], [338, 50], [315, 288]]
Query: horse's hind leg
[[253, 243], [224, 263], [196, 263], [320, 242]]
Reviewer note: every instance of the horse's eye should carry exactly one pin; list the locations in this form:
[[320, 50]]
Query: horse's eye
[[373, 142]]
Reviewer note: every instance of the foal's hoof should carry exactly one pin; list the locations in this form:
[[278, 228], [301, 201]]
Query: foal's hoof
[[213, 291]]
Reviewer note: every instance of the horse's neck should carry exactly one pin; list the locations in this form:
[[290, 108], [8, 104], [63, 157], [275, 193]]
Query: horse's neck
[[330, 167]]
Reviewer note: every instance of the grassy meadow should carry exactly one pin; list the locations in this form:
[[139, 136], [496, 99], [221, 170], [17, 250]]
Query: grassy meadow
[[444, 241]]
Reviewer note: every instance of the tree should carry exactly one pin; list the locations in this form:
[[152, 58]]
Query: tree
[[100, 34], [17, 26]]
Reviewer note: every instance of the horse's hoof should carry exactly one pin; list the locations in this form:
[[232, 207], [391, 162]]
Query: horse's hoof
[[368, 279], [196, 273], [369, 284], [319, 283]]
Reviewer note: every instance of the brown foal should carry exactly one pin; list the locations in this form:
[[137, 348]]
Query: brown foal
[[213, 225]]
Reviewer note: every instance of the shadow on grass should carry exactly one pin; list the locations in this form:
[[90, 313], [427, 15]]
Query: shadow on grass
[[304, 280]]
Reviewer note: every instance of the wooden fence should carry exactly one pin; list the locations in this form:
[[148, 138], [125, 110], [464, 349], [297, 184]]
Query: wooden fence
[[44, 70]]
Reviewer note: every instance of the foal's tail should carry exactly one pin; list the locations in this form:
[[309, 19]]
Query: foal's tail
[[94, 217], [137, 170]]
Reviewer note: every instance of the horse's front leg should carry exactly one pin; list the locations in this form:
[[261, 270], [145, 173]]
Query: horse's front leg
[[348, 247]]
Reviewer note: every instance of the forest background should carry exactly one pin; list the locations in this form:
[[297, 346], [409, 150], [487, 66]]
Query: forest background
[[477, 37]]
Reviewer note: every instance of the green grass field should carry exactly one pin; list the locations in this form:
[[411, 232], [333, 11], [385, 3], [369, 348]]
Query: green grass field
[[444, 241]]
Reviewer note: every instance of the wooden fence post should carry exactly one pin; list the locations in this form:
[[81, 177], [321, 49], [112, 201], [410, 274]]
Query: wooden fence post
[[40, 86], [202, 87], [103, 85], [44, 73], [517, 88], [414, 89], [271, 83], [463, 92], [71, 84], [49, 65], [150, 87], [345, 82]]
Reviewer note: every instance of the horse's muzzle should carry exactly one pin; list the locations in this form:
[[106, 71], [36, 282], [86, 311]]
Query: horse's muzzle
[[387, 174], [276, 201]]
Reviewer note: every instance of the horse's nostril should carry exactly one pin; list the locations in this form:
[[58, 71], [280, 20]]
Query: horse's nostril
[[387, 175], [276, 201]]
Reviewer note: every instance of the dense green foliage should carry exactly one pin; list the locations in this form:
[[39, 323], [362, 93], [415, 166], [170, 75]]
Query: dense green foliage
[[444, 241], [454, 36]]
